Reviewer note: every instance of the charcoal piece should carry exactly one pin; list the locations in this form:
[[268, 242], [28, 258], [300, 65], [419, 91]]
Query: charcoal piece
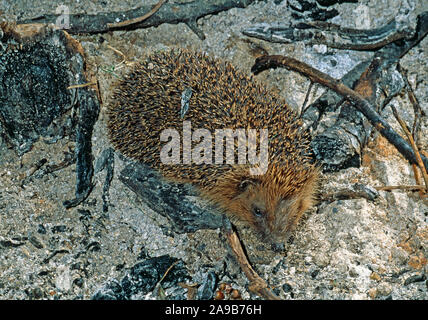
[[177, 202], [34, 76], [106, 160], [337, 147], [38, 64], [143, 277], [310, 10], [207, 288], [110, 291], [88, 115], [340, 146]]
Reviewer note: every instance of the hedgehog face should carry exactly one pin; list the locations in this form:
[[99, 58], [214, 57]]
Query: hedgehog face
[[272, 212]]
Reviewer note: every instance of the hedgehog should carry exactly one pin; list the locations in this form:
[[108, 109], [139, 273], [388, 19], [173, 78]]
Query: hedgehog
[[169, 89]]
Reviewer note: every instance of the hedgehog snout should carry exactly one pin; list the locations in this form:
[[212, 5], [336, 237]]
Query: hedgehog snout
[[281, 223], [270, 230]]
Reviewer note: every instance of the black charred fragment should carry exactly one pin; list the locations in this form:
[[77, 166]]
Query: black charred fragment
[[37, 65], [34, 99], [311, 10], [143, 277], [169, 12], [106, 161], [172, 200], [332, 35], [338, 148], [88, 115]]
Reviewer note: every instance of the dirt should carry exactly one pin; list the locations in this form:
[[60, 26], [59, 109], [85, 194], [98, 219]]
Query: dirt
[[347, 249]]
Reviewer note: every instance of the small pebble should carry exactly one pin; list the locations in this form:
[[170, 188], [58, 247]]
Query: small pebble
[[222, 286], [219, 295], [375, 276], [384, 289], [286, 287], [35, 293], [78, 282], [372, 293], [235, 294]]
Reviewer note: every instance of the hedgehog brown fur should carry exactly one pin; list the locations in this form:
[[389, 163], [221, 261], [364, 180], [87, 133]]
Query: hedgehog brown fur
[[148, 100]]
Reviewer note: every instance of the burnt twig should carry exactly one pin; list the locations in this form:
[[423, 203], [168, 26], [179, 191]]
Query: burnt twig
[[305, 102], [332, 35], [106, 160], [257, 284], [69, 159], [88, 115], [139, 19], [419, 113], [357, 191], [414, 147], [173, 13], [32, 170]]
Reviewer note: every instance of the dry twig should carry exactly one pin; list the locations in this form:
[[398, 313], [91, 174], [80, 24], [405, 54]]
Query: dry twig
[[83, 85], [305, 102], [408, 188], [419, 113], [191, 289], [414, 147], [137, 20], [168, 270], [257, 284]]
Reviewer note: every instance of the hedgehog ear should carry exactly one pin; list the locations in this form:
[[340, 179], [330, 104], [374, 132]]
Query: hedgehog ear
[[246, 183]]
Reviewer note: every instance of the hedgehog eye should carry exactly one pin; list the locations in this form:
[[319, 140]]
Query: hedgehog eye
[[257, 212]]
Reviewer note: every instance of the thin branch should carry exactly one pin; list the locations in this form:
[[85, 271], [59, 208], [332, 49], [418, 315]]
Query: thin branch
[[409, 188], [266, 62], [346, 195], [417, 175], [257, 284], [413, 144], [308, 92], [137, 20], [83, 85], [414, 101], [168, 270]]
